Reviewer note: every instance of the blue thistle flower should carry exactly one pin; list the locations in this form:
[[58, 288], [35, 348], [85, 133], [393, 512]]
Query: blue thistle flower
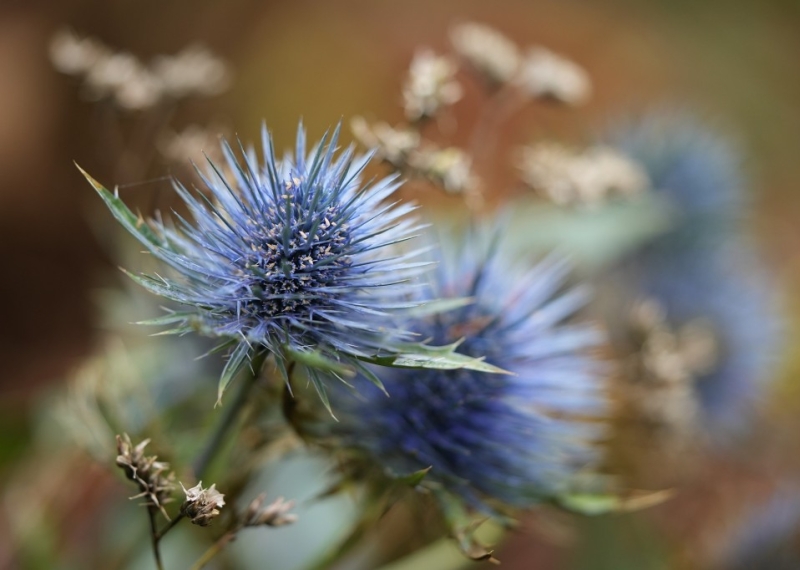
[[490, 439], [293, 255], [705, 267], [697, 172]]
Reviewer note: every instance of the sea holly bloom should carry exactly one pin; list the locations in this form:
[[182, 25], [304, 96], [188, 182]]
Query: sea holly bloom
[[705, 271], [491, 440], [290, 257]]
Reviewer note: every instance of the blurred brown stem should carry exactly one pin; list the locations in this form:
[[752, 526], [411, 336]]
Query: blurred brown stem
[[154, 538], [504, 103]]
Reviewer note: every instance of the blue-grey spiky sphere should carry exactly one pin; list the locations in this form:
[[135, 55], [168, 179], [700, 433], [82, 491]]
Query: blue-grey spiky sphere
[[293, 253], [491, 439], [706, 267]]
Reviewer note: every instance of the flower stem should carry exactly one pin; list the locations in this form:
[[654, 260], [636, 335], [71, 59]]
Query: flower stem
[[154, 538], [214, 549], [229, 418], [160, 534]]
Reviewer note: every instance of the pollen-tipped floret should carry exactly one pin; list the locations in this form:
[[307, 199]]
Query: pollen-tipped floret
[[294, 253], [492, 439]]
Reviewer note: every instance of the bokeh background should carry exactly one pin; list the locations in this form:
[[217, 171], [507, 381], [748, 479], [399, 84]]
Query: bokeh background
[[733, 61]]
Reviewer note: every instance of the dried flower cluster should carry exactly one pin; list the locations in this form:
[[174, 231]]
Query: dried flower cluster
[[666, 365], [430, 85], [449, 168], [131, 84], [488, 51], [540, 73], [191, 144], [156, 483], [580, 177], [202, 505], [274, 514], [547, 75]]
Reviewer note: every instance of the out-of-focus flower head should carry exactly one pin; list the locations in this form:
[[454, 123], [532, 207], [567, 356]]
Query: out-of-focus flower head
[[394, 145], [274, 514], [697, 172], [404, 150], [488, 51], [192, 71], [547, 75], [130, 83], [294, 255], [72, 54], [705, 270], [450, 167], [765, 537], [492, 440], [430, 85], [586, 177]]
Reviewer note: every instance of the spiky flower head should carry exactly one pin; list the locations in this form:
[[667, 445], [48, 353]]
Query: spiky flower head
[[284, 255], [705, 270], [492, 440], [695, 170]]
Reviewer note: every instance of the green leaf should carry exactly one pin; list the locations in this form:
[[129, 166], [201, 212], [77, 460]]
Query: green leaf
[[463, 525], [439, 306], [423, 356], [599, 504], [322, 390], [238, 359], [315, 359], [415, 478], [133, 223], [169, 319]]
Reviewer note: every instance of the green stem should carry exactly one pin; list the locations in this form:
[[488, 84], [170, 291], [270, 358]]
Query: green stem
[[229, 418], [166, 529], [214, 549]]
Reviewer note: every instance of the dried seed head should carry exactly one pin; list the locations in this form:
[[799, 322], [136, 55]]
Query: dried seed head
[[274, 514], [155, 483], [450, 167], [430, 85], [392, 145], [202, 505], [586, 177], [193, 143], [194, 71], [130, 83], [667, 364], [544, 74], [74, 55], [488, 51]]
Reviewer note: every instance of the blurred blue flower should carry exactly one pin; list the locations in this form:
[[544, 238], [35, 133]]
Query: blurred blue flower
[[766, 536], [294, 253], [706, 266], [697, 172], [491, 439]]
